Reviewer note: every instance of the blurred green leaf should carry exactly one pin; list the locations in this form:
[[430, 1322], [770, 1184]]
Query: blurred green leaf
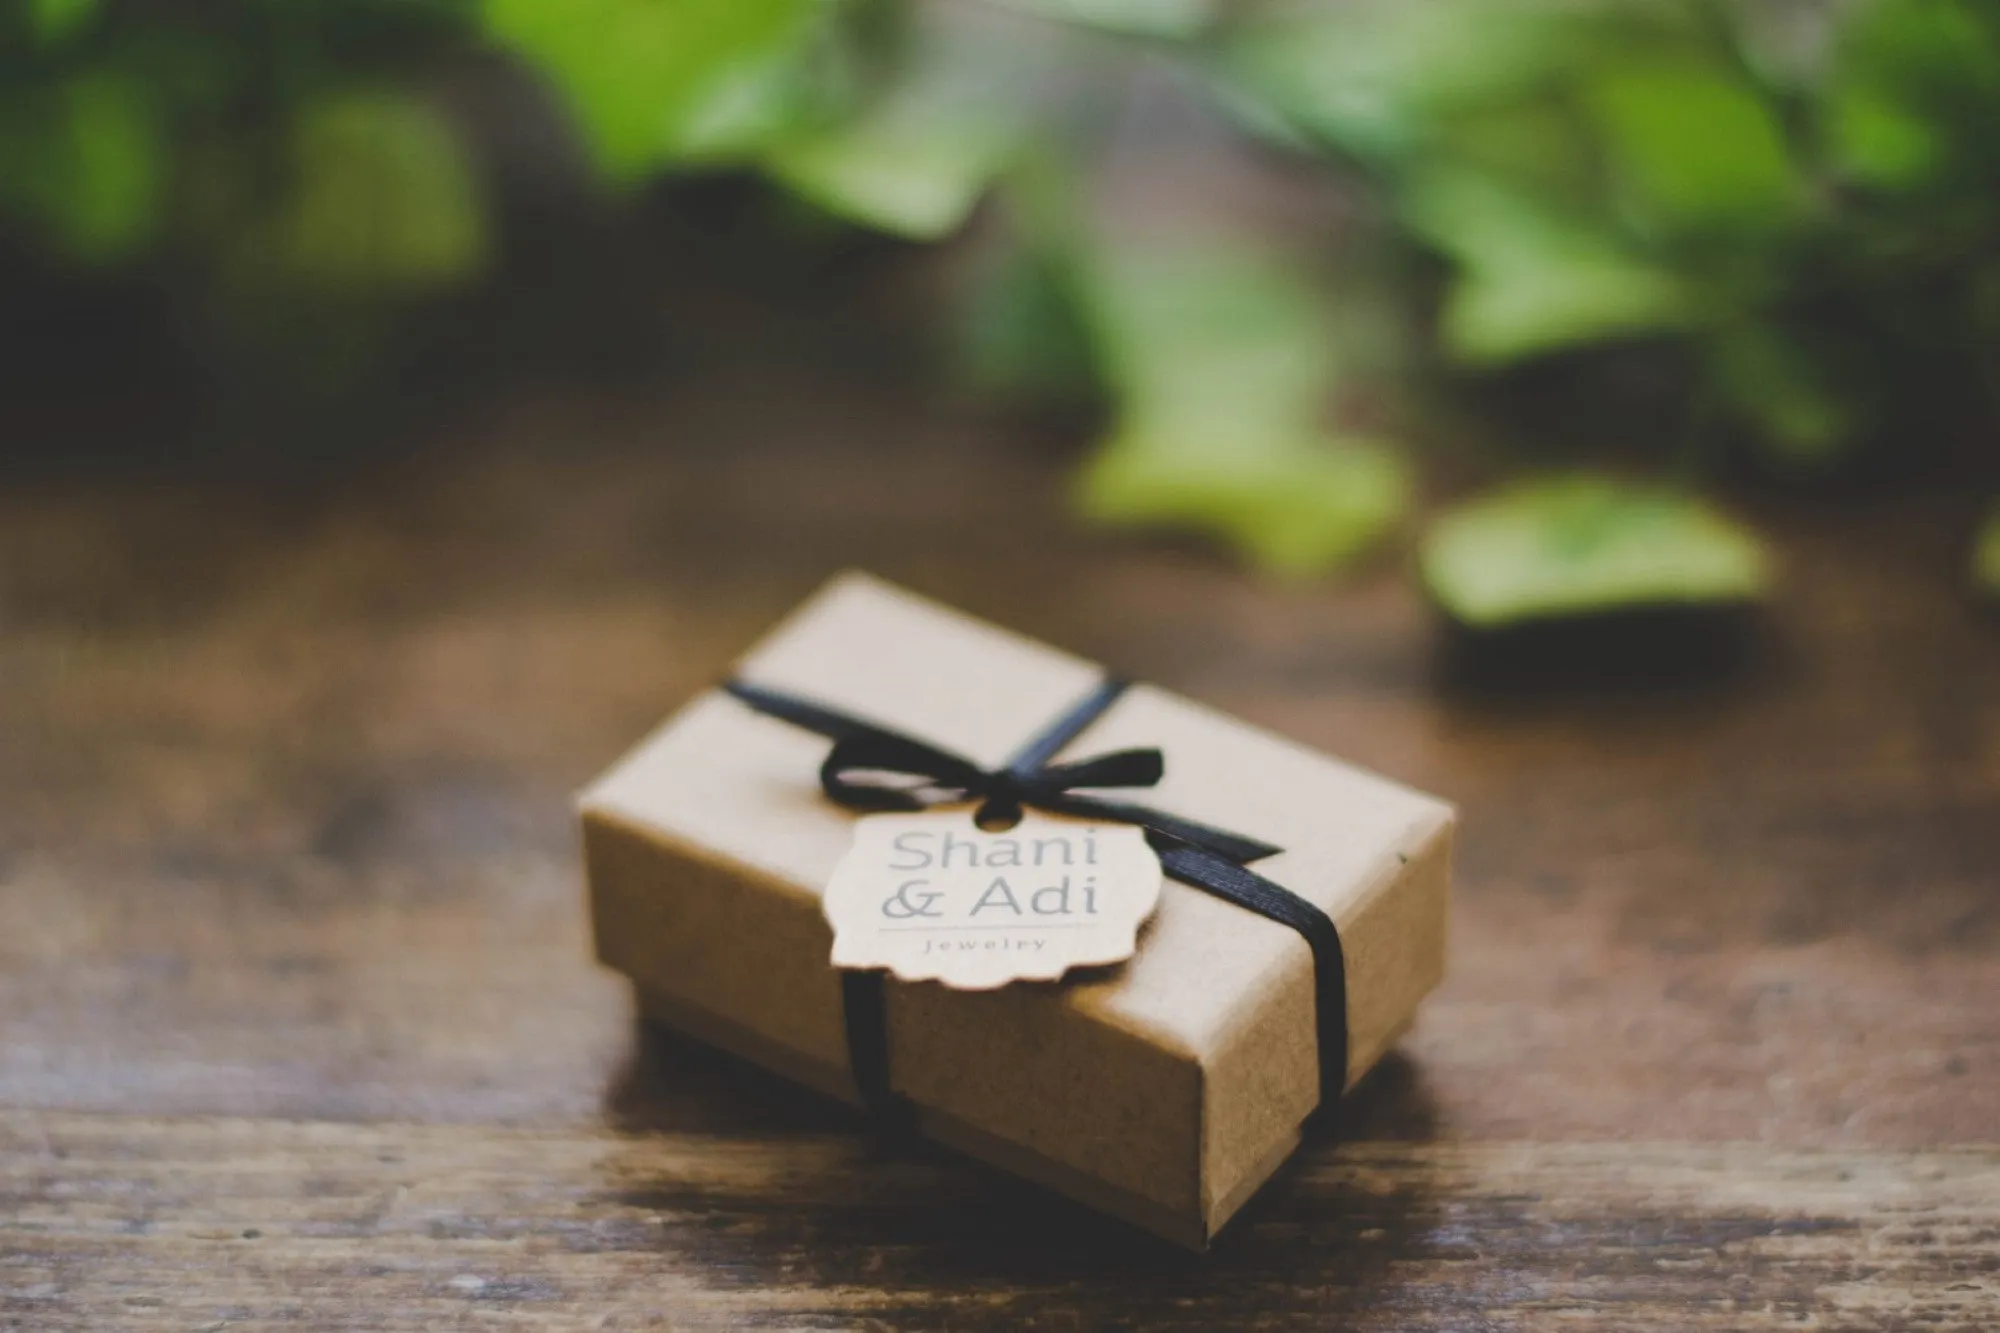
[[1881, 142], [1986, 554], [84, 163], [1142, 18], [1536, 143], [1530, 280], [1220, 360], [653, 81], [382, 203], [1770, 378], [743, 110], [1692, 145], [918, 155], [1578, 545], [913, 177], [1022, 336], [1914, 91], [1377, 79], [1219, 337], [113, 199], [1295, 505], [1935, 51], [53, 21]]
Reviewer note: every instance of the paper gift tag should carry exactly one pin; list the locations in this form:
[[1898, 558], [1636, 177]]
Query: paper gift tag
[[931, 896]]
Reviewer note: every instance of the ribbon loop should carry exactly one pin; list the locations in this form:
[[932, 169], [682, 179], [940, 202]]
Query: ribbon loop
[[1120, 768], [941, 776], [886, 753]]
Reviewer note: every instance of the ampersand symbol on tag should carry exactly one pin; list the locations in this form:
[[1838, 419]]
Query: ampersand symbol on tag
[[899, 906]]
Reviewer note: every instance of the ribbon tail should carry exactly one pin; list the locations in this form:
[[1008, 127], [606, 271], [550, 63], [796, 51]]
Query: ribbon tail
[[1248, 889], [1162, 829]]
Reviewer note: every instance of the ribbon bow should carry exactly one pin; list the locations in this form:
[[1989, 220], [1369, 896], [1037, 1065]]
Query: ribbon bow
[[864, 753], [1002, 792]]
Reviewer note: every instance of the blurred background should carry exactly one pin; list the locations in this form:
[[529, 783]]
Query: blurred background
[[1517, 296], [1584, 411]]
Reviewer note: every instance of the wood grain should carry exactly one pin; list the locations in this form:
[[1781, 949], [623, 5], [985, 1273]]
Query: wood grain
[[285, 837], [389, 1227]]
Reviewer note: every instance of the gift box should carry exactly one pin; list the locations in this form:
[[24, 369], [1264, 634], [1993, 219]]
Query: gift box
[[1164, 1089]]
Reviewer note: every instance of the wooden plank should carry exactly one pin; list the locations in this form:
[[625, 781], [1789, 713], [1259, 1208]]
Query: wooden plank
[[125, 1223]]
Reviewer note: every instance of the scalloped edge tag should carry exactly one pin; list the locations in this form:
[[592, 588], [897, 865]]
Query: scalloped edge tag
[[931, 896]]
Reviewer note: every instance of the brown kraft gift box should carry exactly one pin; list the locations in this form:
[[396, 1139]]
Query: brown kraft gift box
[[1164, 1090]]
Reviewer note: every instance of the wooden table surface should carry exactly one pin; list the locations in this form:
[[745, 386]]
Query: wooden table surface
[[298, 1028]]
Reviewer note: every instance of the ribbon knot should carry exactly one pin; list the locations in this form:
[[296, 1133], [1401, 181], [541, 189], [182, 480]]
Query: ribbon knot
[[871, 770]]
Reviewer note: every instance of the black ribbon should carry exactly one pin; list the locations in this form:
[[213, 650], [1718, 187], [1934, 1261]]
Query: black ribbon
[[874, 768]]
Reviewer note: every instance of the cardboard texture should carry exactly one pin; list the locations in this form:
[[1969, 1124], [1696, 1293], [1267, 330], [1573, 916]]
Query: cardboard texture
[[1164, 1090]]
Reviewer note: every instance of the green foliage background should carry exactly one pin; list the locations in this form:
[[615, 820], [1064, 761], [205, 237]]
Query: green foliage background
[[1799, 203]]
